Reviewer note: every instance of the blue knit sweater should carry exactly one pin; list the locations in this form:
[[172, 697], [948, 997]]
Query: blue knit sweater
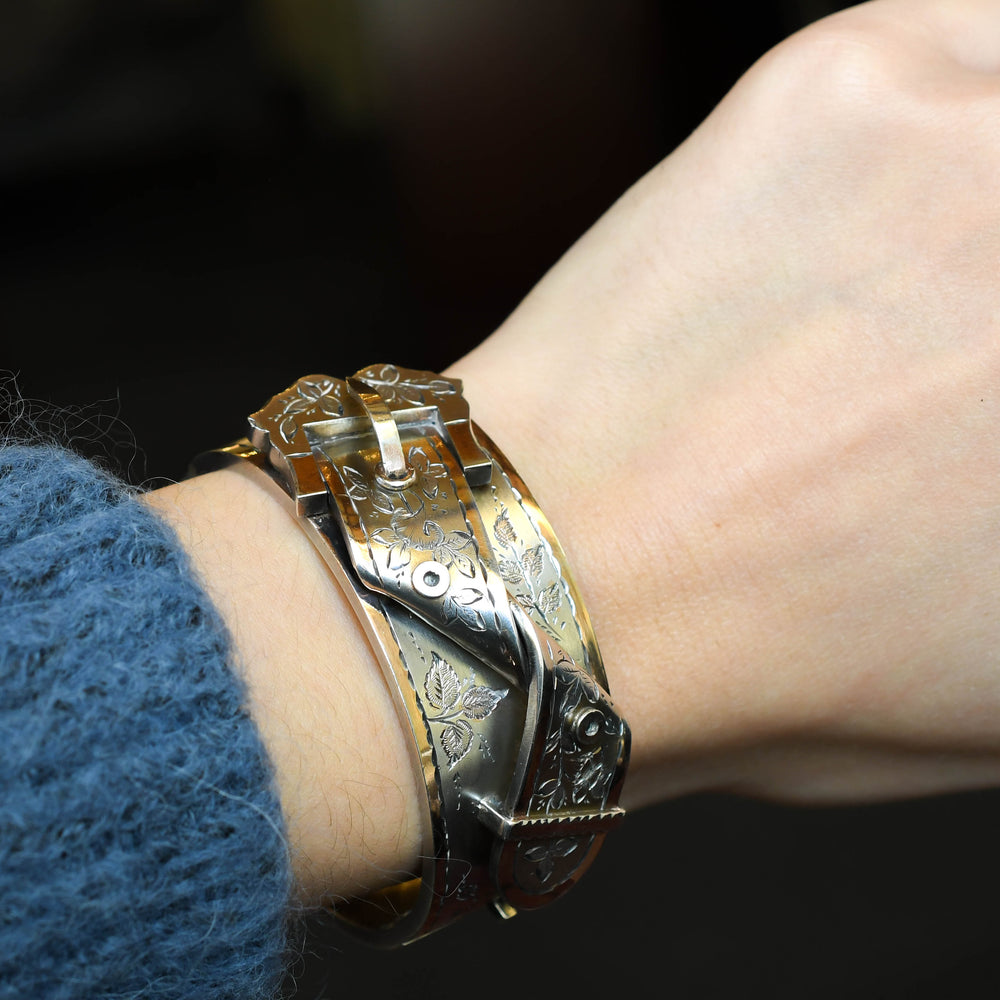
[[141, 843]]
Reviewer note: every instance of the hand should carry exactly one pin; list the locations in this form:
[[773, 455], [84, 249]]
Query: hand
[[759, 401]]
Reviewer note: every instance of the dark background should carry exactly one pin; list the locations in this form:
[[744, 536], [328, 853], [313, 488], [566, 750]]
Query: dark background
[[201, 201]]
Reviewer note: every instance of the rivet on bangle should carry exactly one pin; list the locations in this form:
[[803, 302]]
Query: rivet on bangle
[[431, 579], [587, 725]]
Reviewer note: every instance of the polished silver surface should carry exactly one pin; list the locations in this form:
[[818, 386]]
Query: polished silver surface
[[478, 627]]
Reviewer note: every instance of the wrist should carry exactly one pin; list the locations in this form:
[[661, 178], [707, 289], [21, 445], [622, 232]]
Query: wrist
[[699, 657], [353, 814]]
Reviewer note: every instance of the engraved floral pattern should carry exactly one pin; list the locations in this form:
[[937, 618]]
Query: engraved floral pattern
[[455, 705], [410, 530], [362, 487], [393, 388], [307, 398], [571, 774], [402, 537], [549, 855], [359, 487], [428, 472], [523, 570]]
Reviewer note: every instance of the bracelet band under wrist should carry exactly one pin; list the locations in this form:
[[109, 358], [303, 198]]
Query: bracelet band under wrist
[[480, 631]]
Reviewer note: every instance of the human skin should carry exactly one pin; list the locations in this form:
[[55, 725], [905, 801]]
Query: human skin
[[759, 403]]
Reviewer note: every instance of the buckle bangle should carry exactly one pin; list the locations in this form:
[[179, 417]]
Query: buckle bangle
[[479, 630]]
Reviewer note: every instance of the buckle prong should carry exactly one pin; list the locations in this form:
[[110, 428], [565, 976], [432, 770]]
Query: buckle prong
[[393, 471]]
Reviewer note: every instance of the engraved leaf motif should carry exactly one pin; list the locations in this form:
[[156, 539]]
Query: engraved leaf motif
[[473, 702], [459, 539], [309, 390], [382, 502], [533, 561], [427, 471], [297, 404], [408, 392], [306, 398], [459, 607], [391, 384], [456, 738], [479, 701], [510, 571], [287, 428], [395, 538], [398, 546], [475, 620], [389, 379], [590, 780], [504, 530], [561, 848], [468, 616], [546, 856], [359, 488], [553, 744], [357, 485], [322, 394], [549, 599], [583, 685], [467, 596], [552, 792], [448, 549], [441, 387], [399, 551], [462, 563], [441, 685]]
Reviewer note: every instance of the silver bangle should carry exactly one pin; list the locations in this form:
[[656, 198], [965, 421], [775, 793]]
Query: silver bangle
[[480, 632]]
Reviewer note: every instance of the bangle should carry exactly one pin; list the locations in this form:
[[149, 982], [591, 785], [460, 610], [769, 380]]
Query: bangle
[[479, 629]]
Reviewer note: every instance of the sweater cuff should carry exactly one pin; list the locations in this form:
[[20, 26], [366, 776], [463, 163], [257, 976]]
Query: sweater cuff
[[142, 851]]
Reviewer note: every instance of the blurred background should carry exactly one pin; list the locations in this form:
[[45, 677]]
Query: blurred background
[[201, 200]]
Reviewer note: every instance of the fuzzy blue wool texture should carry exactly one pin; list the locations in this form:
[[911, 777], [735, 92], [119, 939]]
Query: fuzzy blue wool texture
[[142, 851]]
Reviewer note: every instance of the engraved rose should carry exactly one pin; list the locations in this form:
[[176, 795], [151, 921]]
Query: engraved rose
[[450, 548]]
